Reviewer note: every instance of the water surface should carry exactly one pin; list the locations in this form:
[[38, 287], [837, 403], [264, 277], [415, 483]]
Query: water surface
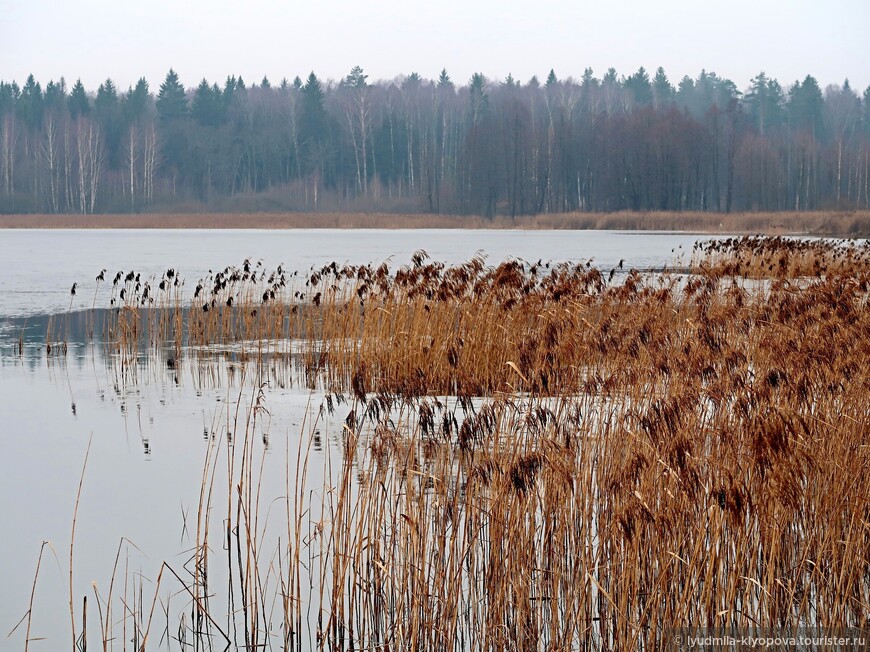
[[150, 421], [40, 266]]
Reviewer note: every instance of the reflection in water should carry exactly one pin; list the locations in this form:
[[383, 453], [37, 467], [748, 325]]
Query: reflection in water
[[142, 499], [144, 362], [247, 407], [677, 451]]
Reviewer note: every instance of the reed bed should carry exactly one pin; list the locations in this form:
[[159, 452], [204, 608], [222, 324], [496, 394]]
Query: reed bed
[[780, 258], [534, 456], [831, 223]]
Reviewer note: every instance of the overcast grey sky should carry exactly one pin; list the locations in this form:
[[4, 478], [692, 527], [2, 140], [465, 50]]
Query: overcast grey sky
[[96, 39]]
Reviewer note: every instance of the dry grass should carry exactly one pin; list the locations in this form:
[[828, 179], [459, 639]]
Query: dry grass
[[831, 223], [542, 457], [781, 258]]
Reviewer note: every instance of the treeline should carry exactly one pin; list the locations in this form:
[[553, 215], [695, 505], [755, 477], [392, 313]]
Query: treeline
[[412, 144]]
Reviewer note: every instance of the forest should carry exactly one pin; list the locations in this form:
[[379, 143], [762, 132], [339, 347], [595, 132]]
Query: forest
[[416, 145]]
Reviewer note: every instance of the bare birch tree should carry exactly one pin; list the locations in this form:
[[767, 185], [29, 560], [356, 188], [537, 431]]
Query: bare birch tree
[[89, 159], [8, 143], [51, 156]]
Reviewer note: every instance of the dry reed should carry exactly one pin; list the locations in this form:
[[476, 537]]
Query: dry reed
[[832, 223], [540, 456]]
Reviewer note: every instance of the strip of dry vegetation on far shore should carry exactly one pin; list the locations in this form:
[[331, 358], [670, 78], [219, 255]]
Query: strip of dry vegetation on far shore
[[829, 223]]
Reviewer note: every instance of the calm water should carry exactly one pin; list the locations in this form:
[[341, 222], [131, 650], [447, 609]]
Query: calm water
[[150, 422], [38, 267]]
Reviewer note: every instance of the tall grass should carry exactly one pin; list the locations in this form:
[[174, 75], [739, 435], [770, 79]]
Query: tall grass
[[781, 258], [535, 456], [831, 223]]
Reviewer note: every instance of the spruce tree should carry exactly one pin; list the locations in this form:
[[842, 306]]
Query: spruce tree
[[78, 102], [136, 102], [7, 100], [444, 80], [478, 97], [30, 103], [551, 79], [662, 91], [171, 100], [639, 86], [107, 111], [207, 106], [805, 106], [313, 119], [55, 95]]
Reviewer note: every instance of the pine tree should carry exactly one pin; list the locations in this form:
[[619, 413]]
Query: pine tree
[[589, 90], [356, 78], [588, 80], [726, 93], [765, 103]]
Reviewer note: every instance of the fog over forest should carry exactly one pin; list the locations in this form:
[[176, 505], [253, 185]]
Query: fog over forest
[[479, 146]]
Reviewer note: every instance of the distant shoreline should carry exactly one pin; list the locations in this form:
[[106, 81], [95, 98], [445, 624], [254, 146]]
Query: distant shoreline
[[827, 223]]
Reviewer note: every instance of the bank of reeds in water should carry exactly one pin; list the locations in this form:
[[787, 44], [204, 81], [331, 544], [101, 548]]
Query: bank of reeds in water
[[544, 456], [780, 258]]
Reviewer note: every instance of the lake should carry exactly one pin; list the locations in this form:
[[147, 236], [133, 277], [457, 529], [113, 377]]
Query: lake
[[150, 422]]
